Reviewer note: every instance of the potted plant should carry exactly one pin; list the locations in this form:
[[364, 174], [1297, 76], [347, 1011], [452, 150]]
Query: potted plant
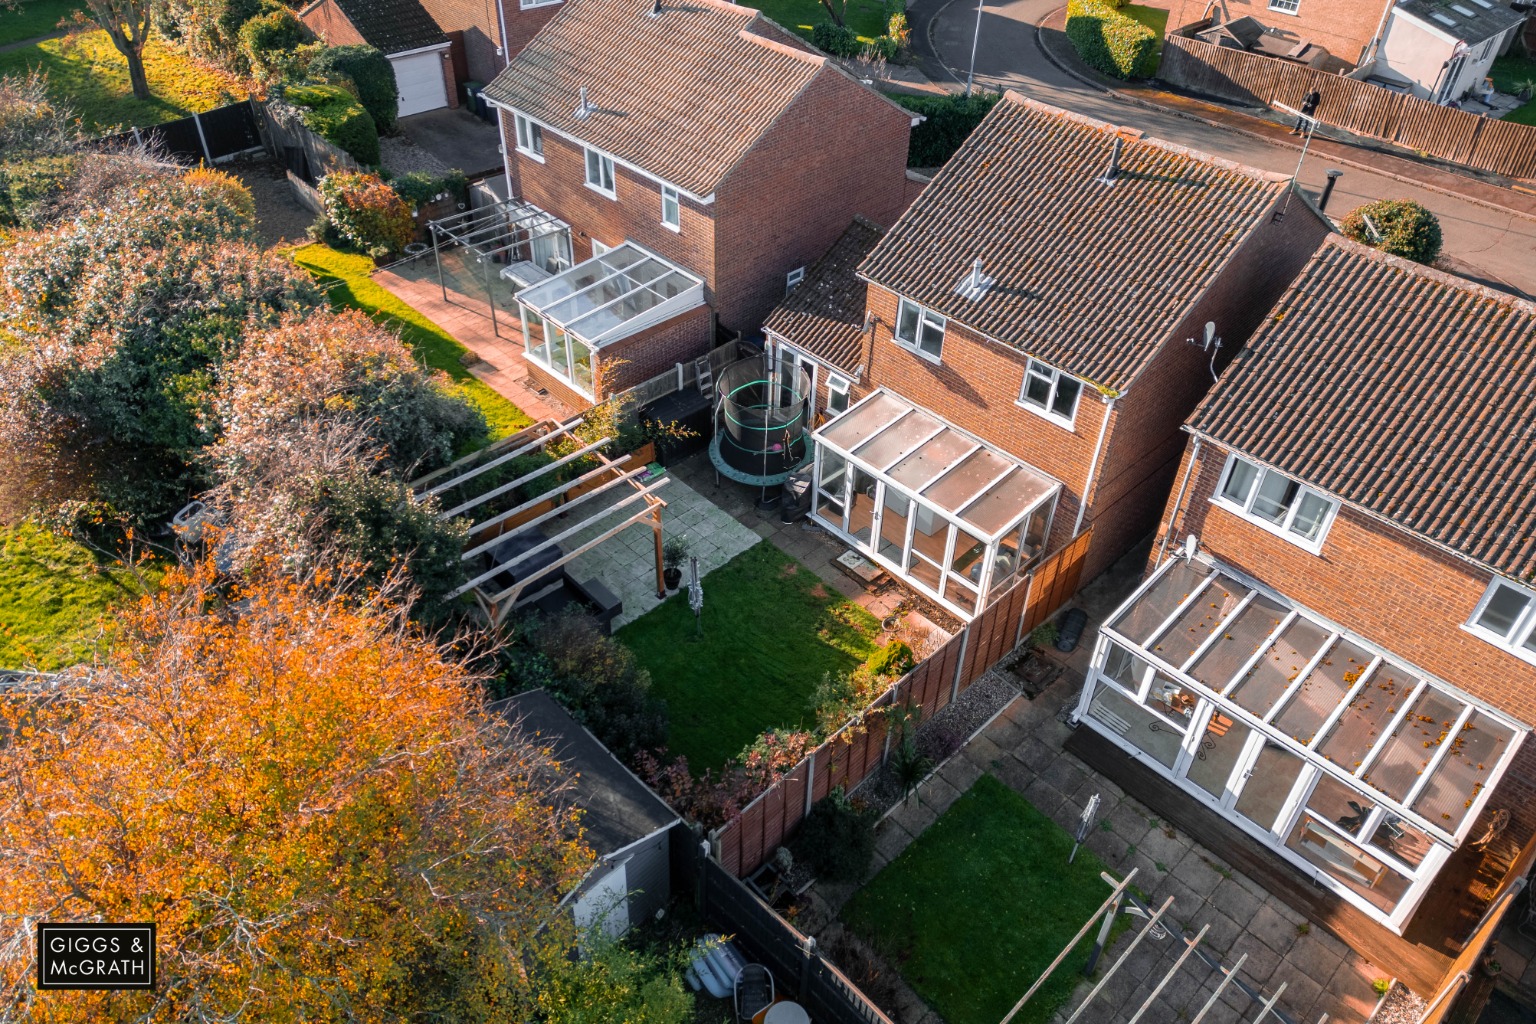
[[673, 553]]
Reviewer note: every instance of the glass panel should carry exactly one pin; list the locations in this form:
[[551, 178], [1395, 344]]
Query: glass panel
[[924, 571], [1346, 862], [534, 339], [1124, 667], [1001, 505], [1411, 745], [1067, 389], [559, 356], [931, 340], [861, 513], [1153, 607], [1037, 389], [859, 424], [930, 532], [1274, 498], [967, 561], [893, 526], [1406, 842], [1343, 805], [923, 466], [1310, 515], [957, 591], [1240, 481], [1371, 710], [1320, 693], [898, 440], [1136, 725], [1217, 753], [954, 490], [1268, 784], [906, 322], [581, 364], [1239, 642], [1269, 678], [833, 468], [1168, 697], [1459, 779], [1195, 626], [1502, 610]]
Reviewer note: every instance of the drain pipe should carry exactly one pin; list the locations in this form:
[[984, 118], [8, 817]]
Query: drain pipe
[[1374, 46], [1093, 467], [1178, 503]]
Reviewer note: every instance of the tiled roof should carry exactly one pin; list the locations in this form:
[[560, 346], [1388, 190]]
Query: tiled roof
[[683, 95], [1089, 277], [1408, 392], [1467, 20], [824, 315], [392, 26]]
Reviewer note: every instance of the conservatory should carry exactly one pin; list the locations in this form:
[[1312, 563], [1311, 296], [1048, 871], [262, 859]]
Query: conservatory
[[954, 517], [574, 314], [504, 247], [1358, 769]]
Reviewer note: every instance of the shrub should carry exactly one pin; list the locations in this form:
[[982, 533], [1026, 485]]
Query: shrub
[[334, 114], [266, 37], [949, 121], [1108, 41], [837, 839], [419, 188], [367, 212], [227, 189], [29, 188], [892, 661], [883, 48], [838, 40], [370, 71], [1403, 228]]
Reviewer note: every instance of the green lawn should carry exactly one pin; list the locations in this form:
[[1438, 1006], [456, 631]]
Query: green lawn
[[86, 72], [980, 904], [347, 274], [1154, 18], [53, 596], [865, 17], [1509, 74], [772, 628], [33, 18]]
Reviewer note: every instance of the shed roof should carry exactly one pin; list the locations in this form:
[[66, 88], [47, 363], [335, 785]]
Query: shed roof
[[618, 808], [824, 315], [1088, 275], [1406, 391], [392, 26]]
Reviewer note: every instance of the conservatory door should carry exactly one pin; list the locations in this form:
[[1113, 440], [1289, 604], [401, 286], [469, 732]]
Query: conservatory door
[[1222, 746]]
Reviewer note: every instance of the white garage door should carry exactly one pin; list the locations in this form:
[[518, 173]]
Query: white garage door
[[419, 79]]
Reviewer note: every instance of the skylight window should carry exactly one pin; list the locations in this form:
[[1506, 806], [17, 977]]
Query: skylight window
[[1463, 11], [1484, 4], [1442, 19]]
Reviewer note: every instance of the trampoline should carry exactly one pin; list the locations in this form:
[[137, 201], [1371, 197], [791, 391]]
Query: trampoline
[[761, 422]]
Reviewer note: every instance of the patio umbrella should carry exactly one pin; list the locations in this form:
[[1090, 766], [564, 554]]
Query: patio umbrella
[[695, 595]]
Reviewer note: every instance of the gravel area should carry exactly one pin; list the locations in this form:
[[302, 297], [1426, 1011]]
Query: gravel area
[[280, 219], [1400, 1007], [400, 155], [944, 734]]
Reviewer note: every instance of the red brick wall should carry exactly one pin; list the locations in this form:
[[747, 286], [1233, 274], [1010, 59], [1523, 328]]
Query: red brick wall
[[641, 357], [331, 25], [523, 25], [557, 388], [450, 79], [479, 22], [1343, 27], [839, 149]]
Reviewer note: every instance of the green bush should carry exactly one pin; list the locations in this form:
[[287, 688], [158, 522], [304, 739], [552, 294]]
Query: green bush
[[367, 212], [1403, 228], [370, 71], [949, 121], [1108, 41], [334, 114], [28, 188], [884, 47], [265, 39], [838, 40], [892, 661], [837, 839], [419, 188]]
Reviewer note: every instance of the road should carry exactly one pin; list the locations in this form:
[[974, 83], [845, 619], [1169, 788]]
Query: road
[[1494, 247]]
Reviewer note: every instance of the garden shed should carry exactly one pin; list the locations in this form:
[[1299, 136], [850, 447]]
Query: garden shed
[[626, 824]]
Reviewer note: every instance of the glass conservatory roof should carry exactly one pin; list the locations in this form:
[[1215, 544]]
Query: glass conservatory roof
[[984, 488], [1394, 729], [615, 295]]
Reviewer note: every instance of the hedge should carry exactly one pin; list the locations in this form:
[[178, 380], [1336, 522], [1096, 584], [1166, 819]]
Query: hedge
[[370, 71], [335, 115], [1111, 42], [1402, 228], [419, 188], [949, 121], [266, 38], [838, 40]]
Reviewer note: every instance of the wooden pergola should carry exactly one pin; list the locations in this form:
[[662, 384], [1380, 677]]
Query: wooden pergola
[[473, 500]]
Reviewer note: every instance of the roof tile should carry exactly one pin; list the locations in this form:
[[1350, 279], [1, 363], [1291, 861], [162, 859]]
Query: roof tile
[[824, 315]]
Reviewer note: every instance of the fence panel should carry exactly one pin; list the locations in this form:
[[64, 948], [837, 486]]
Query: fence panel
[[1054, 583], [292, 144], [1506, 148], [230, 130]]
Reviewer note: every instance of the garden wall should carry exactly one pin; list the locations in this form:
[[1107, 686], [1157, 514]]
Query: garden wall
[[861, 746], [1455, 135]]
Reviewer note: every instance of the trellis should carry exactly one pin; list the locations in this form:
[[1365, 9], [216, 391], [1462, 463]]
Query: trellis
[[641, 505]]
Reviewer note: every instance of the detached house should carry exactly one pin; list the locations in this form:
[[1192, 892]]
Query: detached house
[[1335, 652], [701, 156], [1011, 363], [404, 31]]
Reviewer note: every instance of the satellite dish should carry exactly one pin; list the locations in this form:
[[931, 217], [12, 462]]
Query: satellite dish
[[1191, 545]]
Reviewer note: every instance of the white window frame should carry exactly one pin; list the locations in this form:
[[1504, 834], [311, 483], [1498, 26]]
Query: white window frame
[[1291, 7], [603, 164], [530, 136], [1523, 629], [669, 195], [793, 278], [1282, 530], [523, 5], [837, 387], [600, 248], [1053, 378], [927, 320]]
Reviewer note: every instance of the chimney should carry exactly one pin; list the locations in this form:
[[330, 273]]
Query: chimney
[[584, 108], [1113, 170]]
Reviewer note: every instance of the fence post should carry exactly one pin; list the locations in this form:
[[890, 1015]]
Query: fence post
[[203, 139], [809, 949], [1029, 591], [965, 641], [810, 781]]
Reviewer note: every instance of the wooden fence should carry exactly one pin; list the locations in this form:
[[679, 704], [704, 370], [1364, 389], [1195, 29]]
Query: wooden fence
[[306, 155], [854, 752], [213, 136], [1255, 80]]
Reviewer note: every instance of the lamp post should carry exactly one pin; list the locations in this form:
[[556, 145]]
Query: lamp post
[[970, 76]]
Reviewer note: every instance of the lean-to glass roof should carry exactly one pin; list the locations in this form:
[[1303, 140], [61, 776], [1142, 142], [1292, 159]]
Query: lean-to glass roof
[[1323, 691], [983, 488], [615, 295]]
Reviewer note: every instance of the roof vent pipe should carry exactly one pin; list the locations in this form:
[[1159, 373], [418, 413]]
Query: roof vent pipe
[[1113, 170], [976, 276], [584, 108], [656, 9]]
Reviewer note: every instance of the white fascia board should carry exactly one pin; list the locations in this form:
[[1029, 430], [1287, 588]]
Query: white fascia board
[[419, 49]]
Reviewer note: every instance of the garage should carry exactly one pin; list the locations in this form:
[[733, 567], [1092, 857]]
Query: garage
[[419, 80]]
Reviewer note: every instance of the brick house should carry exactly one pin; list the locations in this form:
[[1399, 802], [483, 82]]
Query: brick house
[[1358, 587], [1047, 296], [702, 135], [492, 31], [404, 32]]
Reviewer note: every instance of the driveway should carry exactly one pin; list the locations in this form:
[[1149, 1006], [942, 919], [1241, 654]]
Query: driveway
[[457, 138], [1494, 247]]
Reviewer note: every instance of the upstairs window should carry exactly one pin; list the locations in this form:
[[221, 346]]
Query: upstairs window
[[1276, 502], [837, 394], [1285, 6], [671, 208], [793, 278], [600, 172], [919, 329], [1506, 617], [530, 137], [1050, 393]]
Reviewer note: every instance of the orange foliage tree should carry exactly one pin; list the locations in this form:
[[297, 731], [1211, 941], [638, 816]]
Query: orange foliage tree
[[306, 796]]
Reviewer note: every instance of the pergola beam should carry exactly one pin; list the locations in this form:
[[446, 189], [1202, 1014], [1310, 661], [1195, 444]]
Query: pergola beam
[[558, 510], [553, 425], [541, 471], [498, 460]]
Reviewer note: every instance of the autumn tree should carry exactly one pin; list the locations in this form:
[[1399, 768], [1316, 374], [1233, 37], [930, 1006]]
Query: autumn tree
[[127, 24], [307, 797]]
